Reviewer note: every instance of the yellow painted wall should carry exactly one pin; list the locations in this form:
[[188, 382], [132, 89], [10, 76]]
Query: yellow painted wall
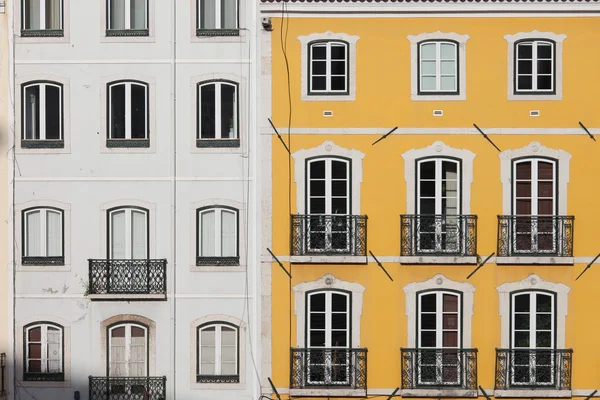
[[383, 100]]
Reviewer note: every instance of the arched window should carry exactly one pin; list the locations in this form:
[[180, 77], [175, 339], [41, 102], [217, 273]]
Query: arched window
[[217, 236], [42, 111], [438, 67], [128, 16], [44, 352], [128, 350], [127, 235], [218, 353], [328, 67], [534, 66], [128, 113], [43, 232], [218, 113]]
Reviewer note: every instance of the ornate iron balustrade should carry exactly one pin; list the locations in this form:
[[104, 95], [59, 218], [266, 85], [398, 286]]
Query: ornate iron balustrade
[[439, 368], [438, 235], [533, 368], [128, 276], [329, 234], [535, 235], [127, 388], [328, 368]]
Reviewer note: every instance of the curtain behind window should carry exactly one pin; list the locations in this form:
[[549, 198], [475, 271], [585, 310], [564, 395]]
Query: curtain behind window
[[228, 234], [139, 239], [207, 223], [117, 14], [229, 14], [118, 235], [207, 351], [54, 350], [138, 14], [54, 234], [228, 351], [207, 12], [32, 112], [31, 11], [116, 366], [53, 14], [34, 247], [138, 351]]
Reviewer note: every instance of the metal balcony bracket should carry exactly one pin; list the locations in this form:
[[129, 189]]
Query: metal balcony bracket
[[269, 378], [393, 393], [481, 265], [586, 131], [591, 395], [384, 136], [484, 393], [279, 262], [279, 136], [380, 265], [486, 137], [588, 266]]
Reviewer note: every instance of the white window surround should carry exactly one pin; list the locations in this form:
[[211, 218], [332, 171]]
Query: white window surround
[[127, 39], [558, 52], [66, 110], [242, 4], [18, 24], [327, 149], [125, 318], [414, 65], [304, 57], [216, 318], [66, 352], [216, 202], [439, 282], [328, 282], [66, 208]]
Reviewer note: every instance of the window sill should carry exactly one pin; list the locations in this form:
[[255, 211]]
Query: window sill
[[217, 261], [438, 260], [437, 97], [42, 144], [326, 259], [44, 384], [217, 379], [329, 97], [450, 392], [536, 260], [127, 143], [531, 393], [42, 377], [127, 297], [213, 143], [37, 33], [535, 97], [42, 261], [328, 392], [217, 32], [127, 32]]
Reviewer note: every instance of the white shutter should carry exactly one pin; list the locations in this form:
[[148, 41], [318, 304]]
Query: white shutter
[[228, 351], [54, 350], [138, 14], [137, 351], [117, 14], [117, 235], [207, 351], [54, 234], [139, 235], [228, 234], [117, 352], [33, 245], [207, 223]]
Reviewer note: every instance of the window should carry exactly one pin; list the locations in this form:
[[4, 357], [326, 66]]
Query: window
[[218, 352], [44, 349], [128, 350], [127, 17], [438, 67], [43, 237], [128, 115], [328, 67], [218, 114], [128, 233], [42, 114], [42, 18], [217, 15], [217, 232], [534, 69]]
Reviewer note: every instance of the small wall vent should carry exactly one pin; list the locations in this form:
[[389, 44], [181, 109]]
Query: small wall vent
[[534, 113], [328, 113], [438, 113]]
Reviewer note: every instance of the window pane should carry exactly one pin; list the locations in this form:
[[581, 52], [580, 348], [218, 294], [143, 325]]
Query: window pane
[[136, 331], [525, 67], [228, 336], [339, 170], [207, 336], [524, 51], [53, 14], [524, 170], [339, 321], [34, 334], [318, 83], [34, 366], [339, 302], [428, 51], [448, 51], [207, 222], [522, 339], [544, 82], [228, 111], [317, 302], [118, 236], [32, 112], [32, 14], [428, 321], [319, 51], [35, 350], [543, 303], [117, 14], [450, 303], [338, 52], [117, 111], [428, 303], [339, 338], [544, 67], [117, 332], [207, 112], [524, 189], [229, 14], [543, 339], [317, 169], [138, 14], [53, 112], [544, 50], [228, 234], [448, 68], [428, 339], [522, 321], [428, 83], [545, 170], [317, 320], [450, 339], [319, 67], [207, 14], [524, 83], [338, 67], [448, 83], [427, 188], [450, 321], [522, 303], [54, 234], [428, 67], [138, 111], [139, 237], [338, 83], [33, 247], [543, 322]]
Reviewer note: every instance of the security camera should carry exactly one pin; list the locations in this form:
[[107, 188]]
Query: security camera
[[266, 23]]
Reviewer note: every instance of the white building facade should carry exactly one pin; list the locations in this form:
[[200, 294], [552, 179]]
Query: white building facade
[[135, 252]]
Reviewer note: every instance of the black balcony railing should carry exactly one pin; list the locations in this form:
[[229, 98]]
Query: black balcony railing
[[329, 234], [128, 276], [438, 235], [533, 368], [127, 388], [328, 368], [439, 368], [535, 235]]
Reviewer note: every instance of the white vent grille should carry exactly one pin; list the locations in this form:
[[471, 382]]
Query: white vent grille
[[534, 113], [438, 113]]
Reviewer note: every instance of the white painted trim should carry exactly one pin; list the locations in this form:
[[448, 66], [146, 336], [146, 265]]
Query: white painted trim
[[535, 260], [304, 59], [439, 282], [533, 282], [536, 393], [328, 282], [414, 65], [427, 9], [490, 391], [436, 260], [558, 55], [327, 149], [534, 149], [434, 131], [438, 149], [127, 39], [126, 297], [216, 318], [329, 259], [329, 393], [437, 393]]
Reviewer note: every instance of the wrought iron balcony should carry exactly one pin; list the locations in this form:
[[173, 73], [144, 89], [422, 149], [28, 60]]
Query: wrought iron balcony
[[439, 369], [438, 235], [328, 368], [535, 235], [128, 276], [127, 388], [533, 368], [329, 234]]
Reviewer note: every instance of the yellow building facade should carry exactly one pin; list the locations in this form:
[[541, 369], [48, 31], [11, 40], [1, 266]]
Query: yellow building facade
[[492, 113]]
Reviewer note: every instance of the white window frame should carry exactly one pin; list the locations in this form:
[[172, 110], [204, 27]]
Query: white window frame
[[512, 40], [218, 229], [128, 106], [328, 318], [128, 230], [328, 75], [127, 326], [218, 14], [43, 15], [44, 346], [329, 183], [438, 66], [42, 105], [218, 117], [218, 347], [127, 15], [43, 230], [534, 73]]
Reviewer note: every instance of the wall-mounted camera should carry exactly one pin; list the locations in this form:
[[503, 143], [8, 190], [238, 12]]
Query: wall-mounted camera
[[266, 23]]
